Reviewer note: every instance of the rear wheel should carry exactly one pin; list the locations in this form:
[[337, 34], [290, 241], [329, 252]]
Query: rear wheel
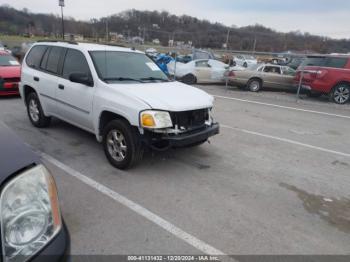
[[245, 65], [122, 144], [35, 112], [189, 79], [341, 94], [254, 85]]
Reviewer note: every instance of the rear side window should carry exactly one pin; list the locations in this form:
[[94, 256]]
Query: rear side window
[[75, 62], [336, 62], [53, 59], [272, 69], [35, 55], [314, 61], [202, 64]]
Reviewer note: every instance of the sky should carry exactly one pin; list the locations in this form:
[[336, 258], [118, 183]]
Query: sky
[[322, 17]]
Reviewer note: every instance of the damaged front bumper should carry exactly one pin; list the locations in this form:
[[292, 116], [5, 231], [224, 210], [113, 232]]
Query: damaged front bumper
[[160, 141]]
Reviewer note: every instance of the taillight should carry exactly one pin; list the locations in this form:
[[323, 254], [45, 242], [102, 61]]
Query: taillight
[[231, 74], [10, 85]]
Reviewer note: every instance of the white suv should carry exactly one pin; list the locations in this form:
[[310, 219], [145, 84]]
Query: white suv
[[118, 94]]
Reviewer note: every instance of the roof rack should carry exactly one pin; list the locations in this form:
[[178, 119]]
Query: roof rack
[[58, 41], [111, 44]]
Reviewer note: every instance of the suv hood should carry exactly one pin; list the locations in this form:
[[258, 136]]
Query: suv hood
[[171, 96]]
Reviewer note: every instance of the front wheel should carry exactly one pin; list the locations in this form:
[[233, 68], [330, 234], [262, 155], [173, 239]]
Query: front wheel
[[341, 94], [35, 112], [122, 144], [189, 79], [254, 85]]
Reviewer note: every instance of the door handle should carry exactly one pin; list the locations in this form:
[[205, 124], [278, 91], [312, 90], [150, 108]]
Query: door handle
[[36, 79], [61, 87]]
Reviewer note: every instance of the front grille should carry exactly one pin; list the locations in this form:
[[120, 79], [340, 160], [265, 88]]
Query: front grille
[[12, 80], [188, 120]]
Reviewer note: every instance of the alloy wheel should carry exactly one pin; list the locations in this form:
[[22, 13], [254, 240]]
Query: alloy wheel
[[341, 94], [116, 145], [254, 86], [34, 110]]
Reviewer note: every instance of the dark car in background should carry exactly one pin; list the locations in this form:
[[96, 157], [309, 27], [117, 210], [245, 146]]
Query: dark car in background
[[32, 228], [326, 74], [10, 74]]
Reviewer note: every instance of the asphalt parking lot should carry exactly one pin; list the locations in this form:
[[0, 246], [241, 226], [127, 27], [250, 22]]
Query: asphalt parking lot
[[274, 182]]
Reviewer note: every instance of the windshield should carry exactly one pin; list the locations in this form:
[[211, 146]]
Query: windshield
[[115, 66], [7, 60]]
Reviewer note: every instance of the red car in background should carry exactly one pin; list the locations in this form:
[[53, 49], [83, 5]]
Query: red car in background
[[10, 74], [328, 74]]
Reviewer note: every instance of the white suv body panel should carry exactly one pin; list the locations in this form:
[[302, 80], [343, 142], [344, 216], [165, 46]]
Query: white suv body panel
[[83, 106]]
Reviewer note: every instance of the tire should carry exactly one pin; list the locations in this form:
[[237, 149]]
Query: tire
[[35, 112], [245, 65], [122, 145], [254, 85], [341, 94], [189, 79]]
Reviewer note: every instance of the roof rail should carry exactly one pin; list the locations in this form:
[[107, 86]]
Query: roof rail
[[58, 41], [111, 44]]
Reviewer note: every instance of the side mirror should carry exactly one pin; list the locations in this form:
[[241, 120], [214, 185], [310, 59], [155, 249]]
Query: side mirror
[[81, 78]]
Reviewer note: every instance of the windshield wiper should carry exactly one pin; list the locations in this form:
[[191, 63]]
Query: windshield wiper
[[154, 79], [122, 79]]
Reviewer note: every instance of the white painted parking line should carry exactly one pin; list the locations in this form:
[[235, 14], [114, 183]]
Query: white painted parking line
[[174, 230], [284, 107], [287, 141]]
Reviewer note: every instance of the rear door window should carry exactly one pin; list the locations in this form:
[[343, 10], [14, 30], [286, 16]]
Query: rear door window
[[202, 64], [272, 70], [314, 61], [35, 55], [75, 62], [53, 59], [336, 62], [44, 59]]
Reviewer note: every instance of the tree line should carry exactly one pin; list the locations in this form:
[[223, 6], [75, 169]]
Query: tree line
[[165, 26]]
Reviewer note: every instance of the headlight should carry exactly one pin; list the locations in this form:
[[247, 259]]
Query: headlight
[[30, 215], [155, 119]]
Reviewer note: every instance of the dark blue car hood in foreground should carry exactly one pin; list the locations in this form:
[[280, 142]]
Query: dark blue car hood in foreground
[[14, 154]]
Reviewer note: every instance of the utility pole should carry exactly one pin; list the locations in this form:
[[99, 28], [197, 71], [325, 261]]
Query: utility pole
[[228, 37], [61, 4], [254, 47], [107, 32]]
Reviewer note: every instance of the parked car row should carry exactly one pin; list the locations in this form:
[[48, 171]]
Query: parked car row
[[317, 75]]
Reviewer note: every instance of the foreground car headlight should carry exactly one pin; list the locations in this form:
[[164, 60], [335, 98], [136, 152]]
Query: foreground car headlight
[[30, 215], [155, 119]]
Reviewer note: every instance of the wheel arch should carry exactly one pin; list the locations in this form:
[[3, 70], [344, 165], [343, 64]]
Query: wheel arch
[[106, 117], [256, 78], [26, 91], [346, 82]]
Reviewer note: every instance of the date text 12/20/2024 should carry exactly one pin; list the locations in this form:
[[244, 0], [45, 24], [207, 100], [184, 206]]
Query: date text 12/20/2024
[[173, 258]]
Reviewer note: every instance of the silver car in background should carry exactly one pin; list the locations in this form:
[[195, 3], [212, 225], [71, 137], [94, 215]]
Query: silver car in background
[[263, 76]]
